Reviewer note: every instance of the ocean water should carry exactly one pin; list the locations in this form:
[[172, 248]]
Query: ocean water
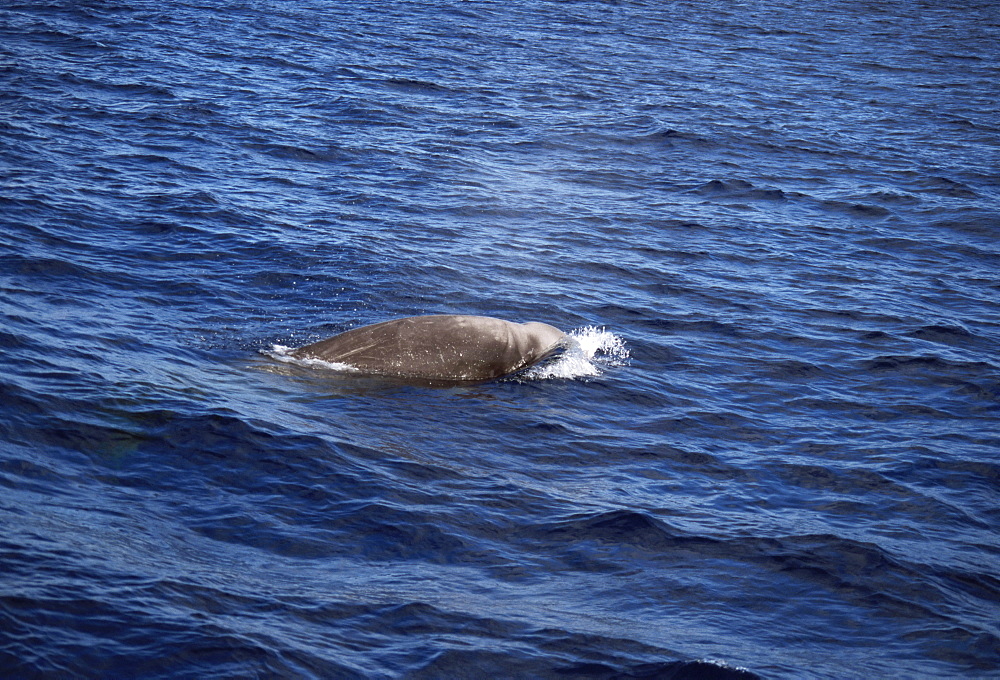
[[774, 228]]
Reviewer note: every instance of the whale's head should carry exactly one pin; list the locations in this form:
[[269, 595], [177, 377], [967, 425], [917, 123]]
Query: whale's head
[[540, 340]]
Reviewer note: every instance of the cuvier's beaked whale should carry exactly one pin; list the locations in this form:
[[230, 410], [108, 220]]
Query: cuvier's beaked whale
[[439, 347]]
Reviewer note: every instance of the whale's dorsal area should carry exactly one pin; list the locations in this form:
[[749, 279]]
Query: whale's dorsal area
[[440, 347]]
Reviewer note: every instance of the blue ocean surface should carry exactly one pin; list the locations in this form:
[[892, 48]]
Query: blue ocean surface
[[772, 227]]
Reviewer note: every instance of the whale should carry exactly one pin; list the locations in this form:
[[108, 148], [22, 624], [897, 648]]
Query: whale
[[455, 347]]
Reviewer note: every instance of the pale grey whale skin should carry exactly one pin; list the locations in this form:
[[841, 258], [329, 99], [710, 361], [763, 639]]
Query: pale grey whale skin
[[440, 347]]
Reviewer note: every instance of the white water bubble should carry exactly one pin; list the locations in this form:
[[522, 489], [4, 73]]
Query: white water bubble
[[588, 351]]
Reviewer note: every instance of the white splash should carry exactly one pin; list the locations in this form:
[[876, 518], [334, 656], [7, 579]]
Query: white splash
[[590, 349]]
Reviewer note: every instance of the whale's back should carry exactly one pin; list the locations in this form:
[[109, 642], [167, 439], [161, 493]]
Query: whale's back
[[445, 346]]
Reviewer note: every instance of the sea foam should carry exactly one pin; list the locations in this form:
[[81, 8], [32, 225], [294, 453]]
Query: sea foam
[[588, 352]]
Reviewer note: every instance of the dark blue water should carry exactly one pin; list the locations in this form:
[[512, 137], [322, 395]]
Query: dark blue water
[[775, 225]]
